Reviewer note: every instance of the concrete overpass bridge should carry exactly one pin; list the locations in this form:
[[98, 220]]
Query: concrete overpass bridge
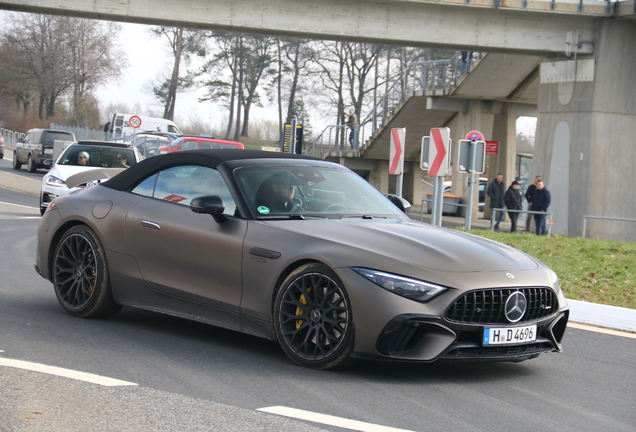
[[586, 107]]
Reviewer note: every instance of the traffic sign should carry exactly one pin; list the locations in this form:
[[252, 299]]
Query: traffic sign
[[134, 122], [424, 155], [398, 138], [439, 152], [465, 161], [492, 147], [475, 136]]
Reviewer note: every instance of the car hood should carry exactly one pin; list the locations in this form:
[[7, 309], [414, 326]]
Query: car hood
[[415, 243], [74, 175]]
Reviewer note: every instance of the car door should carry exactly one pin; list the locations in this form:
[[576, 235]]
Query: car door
[[22, 150], [182, 253]]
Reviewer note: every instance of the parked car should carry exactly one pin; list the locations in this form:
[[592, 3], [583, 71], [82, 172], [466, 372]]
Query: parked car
[[1, 146], [148, 144], [198, 143], [37, 147], [483, 184], [96, 157], [300, 251]]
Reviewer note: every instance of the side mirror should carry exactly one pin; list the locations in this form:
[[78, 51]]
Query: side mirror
[[399, 202], [20, 140], [48, 163], [210, 204]]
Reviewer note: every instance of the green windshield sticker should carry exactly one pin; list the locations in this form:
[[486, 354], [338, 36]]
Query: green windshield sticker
[[263, 210]]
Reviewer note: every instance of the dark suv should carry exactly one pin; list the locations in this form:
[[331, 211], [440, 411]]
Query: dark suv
[[37, 146]]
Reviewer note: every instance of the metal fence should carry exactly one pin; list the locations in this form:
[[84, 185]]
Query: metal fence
[[547, 214], [586, 217], [10, 137], [82, 133]]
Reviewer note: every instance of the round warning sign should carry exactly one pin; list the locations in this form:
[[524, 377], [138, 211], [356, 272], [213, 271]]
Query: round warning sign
[[134, 122], [475, 136]]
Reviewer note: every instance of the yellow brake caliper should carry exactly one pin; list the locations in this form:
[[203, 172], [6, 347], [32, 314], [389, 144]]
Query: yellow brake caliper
[[299, 311]]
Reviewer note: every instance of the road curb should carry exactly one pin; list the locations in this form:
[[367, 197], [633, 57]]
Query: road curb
[[602, 315]]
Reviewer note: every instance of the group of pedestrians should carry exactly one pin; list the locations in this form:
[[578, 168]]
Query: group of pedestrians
[[537, 195]]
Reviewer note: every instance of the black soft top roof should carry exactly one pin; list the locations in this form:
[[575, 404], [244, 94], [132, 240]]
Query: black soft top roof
[[212, 158]]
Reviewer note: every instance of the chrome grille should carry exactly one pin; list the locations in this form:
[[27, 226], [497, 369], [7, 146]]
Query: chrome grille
[[487, 306]]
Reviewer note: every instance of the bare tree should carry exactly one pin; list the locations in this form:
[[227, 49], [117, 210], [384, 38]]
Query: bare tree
[[183, 43], [51, 55], [93, 59]]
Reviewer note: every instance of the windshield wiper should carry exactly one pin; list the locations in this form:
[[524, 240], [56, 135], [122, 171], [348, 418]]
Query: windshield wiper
[[363, 217]]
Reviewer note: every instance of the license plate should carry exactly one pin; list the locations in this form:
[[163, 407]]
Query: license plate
[[510, 335], [48, 151]]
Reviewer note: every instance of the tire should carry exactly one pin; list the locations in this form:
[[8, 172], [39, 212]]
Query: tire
[[80, 275], [16, 165], [312, 318], [31, 166]]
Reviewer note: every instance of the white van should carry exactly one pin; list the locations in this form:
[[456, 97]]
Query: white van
[[120, 128]]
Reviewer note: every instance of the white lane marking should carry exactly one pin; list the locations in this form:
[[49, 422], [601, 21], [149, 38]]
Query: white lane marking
[[602, 330], [329, 420], [67, 373], [19, 205]]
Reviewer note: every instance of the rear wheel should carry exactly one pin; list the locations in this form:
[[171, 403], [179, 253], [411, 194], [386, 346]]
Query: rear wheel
[[16, 164], [80, 275], [312, 318], [31, 166]]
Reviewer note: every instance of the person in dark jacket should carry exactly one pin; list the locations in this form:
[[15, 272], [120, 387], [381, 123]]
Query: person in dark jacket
[[496, 193], [512, 199], [529, 193], [540, 202]]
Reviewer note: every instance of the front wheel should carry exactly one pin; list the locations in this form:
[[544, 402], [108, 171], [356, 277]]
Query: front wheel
[[80, 275], [312, 318]]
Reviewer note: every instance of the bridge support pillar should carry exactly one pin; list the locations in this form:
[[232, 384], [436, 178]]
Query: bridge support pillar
[[504, 131], [473, 119], [585, 136]]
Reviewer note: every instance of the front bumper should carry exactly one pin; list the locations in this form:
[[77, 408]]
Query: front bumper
[[427, 339]]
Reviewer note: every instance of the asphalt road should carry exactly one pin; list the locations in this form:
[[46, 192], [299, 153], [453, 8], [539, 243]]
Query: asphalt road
[[192, 376]]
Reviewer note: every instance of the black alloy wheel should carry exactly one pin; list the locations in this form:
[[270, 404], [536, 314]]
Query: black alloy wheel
[[312, 318], [80, 275], [16, 164]]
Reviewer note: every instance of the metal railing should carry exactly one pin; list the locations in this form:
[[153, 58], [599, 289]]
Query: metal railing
[[547, 214], [10, 138], [84, 133], [586, 217], [434, 78]]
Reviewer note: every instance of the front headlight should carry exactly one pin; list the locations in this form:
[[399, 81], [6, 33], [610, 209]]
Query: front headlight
[[412, 289], [54, 181]]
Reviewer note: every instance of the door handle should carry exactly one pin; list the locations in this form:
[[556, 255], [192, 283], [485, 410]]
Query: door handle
[[150, 224]]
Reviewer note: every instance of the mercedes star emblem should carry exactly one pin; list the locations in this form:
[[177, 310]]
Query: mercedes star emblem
[[516, 305]]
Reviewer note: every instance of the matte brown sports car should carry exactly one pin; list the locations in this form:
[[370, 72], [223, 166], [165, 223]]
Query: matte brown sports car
[[297, 250]]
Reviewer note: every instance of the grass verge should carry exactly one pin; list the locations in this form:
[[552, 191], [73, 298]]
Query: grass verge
[[597, 271]]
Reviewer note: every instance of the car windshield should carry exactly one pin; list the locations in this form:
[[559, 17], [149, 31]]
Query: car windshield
[[96, 156], [303, 191]]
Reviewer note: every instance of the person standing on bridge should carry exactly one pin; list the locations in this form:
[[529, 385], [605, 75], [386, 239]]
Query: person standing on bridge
[[352, 122], [496, 193]]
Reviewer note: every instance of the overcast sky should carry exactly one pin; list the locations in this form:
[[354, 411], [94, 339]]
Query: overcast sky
[[149, 56]]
